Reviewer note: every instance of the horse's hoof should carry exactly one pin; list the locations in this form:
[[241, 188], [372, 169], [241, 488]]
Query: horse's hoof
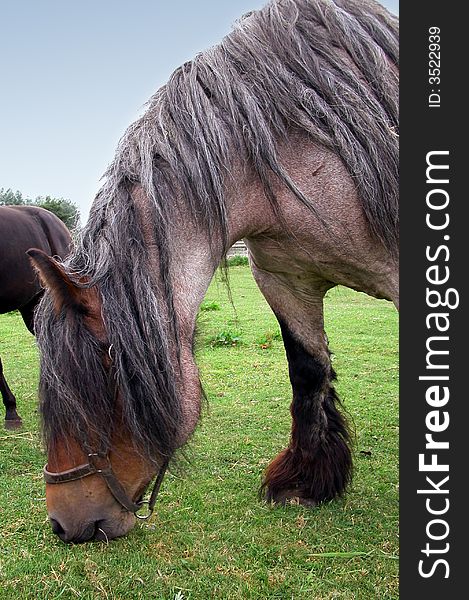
[[13, 423], [290, 497]]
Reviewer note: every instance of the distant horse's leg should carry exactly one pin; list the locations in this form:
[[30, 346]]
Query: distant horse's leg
[[317, 464], [27, 312], [12, 419]]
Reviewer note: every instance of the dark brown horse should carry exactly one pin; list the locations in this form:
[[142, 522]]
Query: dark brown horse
[[22, 227], [285, 135]]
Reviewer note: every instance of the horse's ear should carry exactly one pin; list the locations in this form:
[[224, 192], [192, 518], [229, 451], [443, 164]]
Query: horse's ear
[[65, 293]]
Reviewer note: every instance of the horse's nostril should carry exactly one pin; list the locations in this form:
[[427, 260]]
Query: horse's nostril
[[85, 535], [57, 527]]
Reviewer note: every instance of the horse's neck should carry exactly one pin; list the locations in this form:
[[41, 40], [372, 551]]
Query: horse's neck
[[196, 253]]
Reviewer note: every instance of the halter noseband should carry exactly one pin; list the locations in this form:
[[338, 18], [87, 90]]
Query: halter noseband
[[99, 464]]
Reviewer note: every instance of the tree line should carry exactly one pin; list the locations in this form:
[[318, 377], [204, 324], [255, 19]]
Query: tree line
[[66, 210]]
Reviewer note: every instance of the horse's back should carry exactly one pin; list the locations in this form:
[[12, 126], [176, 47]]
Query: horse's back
[[21, 228]]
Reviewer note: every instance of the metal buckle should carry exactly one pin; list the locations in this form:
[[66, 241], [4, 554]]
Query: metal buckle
[[92, 456], [147, 515]]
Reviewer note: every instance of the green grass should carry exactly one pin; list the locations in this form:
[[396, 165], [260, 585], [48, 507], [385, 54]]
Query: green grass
[[211, 537]]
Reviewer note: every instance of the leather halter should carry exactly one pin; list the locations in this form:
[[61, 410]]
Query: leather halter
[[99, 464]]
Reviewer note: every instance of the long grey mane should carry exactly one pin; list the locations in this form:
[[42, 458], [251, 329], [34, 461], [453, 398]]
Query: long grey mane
[[325, 67]]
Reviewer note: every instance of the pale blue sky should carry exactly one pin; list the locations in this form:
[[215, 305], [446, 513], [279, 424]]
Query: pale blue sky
[[75, 74]]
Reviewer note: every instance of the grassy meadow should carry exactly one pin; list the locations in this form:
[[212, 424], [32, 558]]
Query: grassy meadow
[[210, 536]]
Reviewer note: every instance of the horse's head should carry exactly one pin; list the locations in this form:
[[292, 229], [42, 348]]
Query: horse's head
[[97, 469]]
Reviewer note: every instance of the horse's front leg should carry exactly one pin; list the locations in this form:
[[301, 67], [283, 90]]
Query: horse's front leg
[[317, 464], [12, 418]]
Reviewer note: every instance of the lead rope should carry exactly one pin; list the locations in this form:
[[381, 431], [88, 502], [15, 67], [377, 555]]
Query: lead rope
[[154, 494]]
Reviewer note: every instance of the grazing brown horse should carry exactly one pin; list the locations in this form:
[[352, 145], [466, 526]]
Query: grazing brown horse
[[20, 228], [285, 134]]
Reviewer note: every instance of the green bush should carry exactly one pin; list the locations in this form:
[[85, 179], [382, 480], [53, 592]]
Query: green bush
[[237, 261], [226, 338]]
